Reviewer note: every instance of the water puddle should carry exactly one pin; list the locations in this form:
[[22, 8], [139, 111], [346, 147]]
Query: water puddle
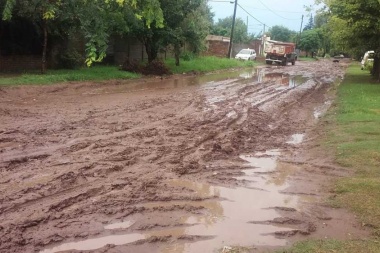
[[296, 139], [321, 110], [120, 225], [230, 217], [234, 216], [96, 243]]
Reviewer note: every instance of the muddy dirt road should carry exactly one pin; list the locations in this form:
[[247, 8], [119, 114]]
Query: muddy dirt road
[[184, 164]]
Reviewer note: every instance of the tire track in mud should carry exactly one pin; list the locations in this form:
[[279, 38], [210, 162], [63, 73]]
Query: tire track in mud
[[108, 162]]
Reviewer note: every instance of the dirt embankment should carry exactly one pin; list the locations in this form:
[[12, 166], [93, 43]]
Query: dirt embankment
[[75, 158]]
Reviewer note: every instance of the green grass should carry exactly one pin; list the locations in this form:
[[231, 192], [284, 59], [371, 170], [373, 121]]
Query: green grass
[[356, 139], [334, 246], [353, 133], [303, 58], [103, 73], [207, 64], [96, 73]]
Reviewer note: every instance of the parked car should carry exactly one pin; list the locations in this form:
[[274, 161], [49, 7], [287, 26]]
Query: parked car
[[246, 54], [368, 57]]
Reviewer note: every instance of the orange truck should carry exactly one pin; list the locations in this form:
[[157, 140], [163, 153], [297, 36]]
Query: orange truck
[[280, 52]]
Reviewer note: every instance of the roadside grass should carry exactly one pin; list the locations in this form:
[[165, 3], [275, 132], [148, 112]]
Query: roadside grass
[[334, 246], [207, 64], [353, 134], [96, 73], [303, 58], [356, 140], [103, 73]]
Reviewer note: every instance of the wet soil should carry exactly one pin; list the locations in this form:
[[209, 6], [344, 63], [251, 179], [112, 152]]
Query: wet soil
[[180, 164]]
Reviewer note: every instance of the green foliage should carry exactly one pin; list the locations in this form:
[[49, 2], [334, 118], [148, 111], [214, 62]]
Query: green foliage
[[310, 24], [223, 28], [187, 56], [281, 33], [97, 20], [310, 40], [368, 66], [184, 20], [354, 27], [71, 59]]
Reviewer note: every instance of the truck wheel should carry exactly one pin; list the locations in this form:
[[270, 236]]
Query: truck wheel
[[293, 62], [268, 62], [285, 62]]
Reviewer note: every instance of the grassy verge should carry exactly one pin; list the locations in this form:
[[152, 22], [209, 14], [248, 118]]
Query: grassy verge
[[96, 73], [102, 73], [334, 246], [207, 64], [354, 135], [303, 58]]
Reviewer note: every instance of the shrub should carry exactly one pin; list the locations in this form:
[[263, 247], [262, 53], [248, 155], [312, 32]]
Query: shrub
[[155, 67], [187, 56], [131, 66], [71, 59]]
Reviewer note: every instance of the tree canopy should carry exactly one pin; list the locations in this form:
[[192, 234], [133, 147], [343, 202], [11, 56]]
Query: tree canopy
[[97, 20], [223, 28], [281, 33], [355, 27]]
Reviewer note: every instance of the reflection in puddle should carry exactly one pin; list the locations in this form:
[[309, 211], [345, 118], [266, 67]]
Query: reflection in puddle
[[96, 243], [120, 225], [284, 80], [229, 212], [239, 206], [296, 139]]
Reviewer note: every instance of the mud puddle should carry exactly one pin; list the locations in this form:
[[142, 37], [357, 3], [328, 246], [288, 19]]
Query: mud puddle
[[296, 139], [176, 82], [234, 216], [286, 81]]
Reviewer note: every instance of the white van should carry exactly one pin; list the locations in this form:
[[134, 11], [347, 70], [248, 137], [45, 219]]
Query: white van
[[368, 57], [246, 54]]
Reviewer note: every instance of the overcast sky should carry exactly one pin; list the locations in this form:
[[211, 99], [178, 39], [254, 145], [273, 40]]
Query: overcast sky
[[270, 12]]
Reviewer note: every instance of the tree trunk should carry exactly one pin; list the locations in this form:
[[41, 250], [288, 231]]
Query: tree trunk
[[151, 50], [376, 68], [44, 47], [177, 52]]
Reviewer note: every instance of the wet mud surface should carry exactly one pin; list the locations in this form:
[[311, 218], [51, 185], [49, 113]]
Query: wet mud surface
[[183, 164]]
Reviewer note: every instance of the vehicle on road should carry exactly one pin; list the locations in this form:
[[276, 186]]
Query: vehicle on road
[[246, 54], [367, 58], [280, 52]]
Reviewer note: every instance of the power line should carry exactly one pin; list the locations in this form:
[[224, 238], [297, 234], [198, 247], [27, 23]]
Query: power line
[[251, 15], [275, 12], [261, 9]]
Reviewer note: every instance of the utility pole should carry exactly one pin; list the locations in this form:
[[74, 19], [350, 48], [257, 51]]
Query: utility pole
[[232, 31], [247, 24], [263, 42], [299, 37]]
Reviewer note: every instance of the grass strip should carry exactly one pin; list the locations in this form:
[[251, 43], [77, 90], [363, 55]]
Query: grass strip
[[354, 135]]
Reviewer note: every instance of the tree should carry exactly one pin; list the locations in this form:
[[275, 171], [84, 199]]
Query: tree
[[223, 28], [281, 33], [183, 20], [355, 26], [310, 24], [95, 19], [310, 41]]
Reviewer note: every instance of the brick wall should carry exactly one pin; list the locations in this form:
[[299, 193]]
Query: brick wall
[[20, 63], [217, 48]]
